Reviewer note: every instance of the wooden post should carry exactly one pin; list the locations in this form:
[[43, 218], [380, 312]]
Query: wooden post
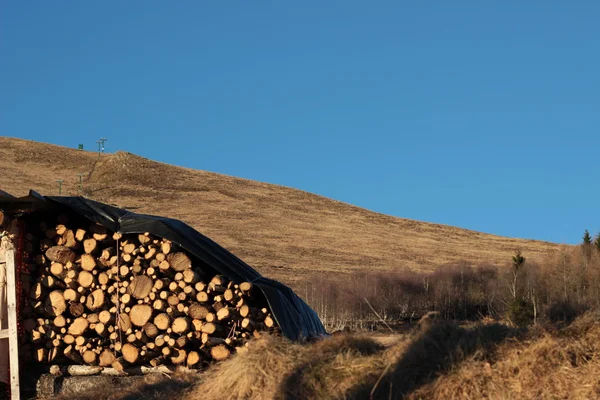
[[13, 337]]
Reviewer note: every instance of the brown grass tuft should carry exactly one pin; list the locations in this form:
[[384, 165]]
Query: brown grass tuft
[[276, 368], [252, 375], [561, 366]]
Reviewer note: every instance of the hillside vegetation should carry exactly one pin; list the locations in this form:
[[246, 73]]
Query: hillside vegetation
[[442, 360], [283, 232]]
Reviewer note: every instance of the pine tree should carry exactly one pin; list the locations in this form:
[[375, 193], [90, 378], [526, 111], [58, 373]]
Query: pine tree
[[520, 309], [587, 238], [519, 260], [597, 242]]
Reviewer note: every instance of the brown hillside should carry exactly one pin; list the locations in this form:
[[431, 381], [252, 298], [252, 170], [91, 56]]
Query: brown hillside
[[282, 232]]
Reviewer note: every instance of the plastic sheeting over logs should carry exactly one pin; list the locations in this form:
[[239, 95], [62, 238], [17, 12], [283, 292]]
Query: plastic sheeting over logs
[[295, 318]]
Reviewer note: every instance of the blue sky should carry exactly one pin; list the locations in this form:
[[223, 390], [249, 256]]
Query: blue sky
[[482, 115]]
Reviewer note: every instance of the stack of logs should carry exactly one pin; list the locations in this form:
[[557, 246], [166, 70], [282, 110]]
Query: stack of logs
[[106, 299]]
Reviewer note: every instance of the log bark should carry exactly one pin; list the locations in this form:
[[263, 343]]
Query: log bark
[[60, 254], [140, 287], [179, 261], [198, 311], [76, 309]]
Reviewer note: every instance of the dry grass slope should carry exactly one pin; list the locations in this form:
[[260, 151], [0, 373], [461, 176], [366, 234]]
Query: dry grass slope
[[443, 361], [282, 232]]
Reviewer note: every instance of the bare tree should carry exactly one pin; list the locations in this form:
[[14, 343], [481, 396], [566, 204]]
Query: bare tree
[[518, 265]]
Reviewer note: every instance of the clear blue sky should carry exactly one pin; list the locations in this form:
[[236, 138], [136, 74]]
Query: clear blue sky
[[483, 115]]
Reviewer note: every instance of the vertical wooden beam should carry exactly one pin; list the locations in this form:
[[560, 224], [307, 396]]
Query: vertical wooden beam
[[13, 337]]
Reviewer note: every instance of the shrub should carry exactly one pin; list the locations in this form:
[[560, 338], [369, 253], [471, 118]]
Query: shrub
[[564, 312], [520, 312]]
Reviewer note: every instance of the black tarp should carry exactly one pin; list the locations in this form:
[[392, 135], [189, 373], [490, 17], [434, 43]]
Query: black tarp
[[296, 319]]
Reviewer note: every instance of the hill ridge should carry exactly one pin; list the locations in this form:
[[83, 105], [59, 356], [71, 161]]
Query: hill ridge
[[281, 231]]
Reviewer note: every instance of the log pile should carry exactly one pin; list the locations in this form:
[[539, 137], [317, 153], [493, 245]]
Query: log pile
[[110, 300]]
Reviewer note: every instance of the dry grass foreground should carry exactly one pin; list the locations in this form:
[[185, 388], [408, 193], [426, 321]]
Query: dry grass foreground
[[444, 361], [283, 232]]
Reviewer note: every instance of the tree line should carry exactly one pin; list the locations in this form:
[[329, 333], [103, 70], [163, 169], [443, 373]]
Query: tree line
[[524, 291]]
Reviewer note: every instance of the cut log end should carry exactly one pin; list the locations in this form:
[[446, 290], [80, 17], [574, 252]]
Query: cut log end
[[130, 353], [220, 352], [140, 314]]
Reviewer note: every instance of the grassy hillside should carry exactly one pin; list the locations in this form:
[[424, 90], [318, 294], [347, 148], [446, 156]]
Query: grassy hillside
[[282, 232]]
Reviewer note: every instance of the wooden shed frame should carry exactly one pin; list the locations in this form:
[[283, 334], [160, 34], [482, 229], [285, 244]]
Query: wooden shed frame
[[11, 334]]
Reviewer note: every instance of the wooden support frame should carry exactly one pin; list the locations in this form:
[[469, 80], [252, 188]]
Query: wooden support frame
[[11, 333]]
